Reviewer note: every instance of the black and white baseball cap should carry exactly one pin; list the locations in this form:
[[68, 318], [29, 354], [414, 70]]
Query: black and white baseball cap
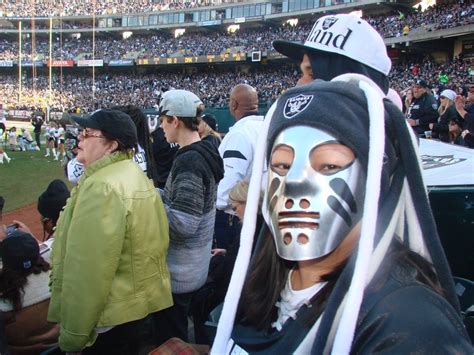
[[344, 34], [179, 103], [19, 251]]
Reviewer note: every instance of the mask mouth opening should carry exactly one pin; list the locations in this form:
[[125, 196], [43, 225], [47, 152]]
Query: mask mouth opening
[[299, 219], [298, 224]]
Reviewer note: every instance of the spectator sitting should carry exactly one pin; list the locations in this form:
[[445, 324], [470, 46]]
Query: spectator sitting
[[447, 112], [50, 205], [455, 132], [25, 294], [220, 269]]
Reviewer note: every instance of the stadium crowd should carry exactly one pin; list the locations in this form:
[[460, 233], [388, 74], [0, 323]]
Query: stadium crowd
[[77, 8], [220, 41], [439, 16], [143, 90], [71, 90], [127, 257]]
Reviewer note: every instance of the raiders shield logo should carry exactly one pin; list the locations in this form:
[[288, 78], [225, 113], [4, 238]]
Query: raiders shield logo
[[433, 161], [327, 23], [296, 105]]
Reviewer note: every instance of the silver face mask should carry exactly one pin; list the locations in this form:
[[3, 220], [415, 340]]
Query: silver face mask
[[309, 208]]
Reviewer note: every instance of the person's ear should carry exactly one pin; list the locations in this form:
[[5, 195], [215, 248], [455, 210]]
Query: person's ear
[[175, 122], [234, 104], [113, 146]]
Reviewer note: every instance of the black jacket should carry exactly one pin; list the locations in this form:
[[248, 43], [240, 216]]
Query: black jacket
[[425, 111], [398, 315], [441, 128]]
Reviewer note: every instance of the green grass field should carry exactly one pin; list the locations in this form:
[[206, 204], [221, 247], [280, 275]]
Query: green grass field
[[26, 177]]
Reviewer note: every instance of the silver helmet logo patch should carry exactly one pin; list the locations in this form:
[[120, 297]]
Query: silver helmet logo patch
[[297, 104]]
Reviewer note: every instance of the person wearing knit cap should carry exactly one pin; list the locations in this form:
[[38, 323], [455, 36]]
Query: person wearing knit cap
[[50, 204], [350, 260], [339, 44], [447, 112], [25, 294]]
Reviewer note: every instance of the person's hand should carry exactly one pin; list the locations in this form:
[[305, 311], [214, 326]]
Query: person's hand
[[22, 227], [465, 133], [459, 102], [218, 251], [411, 122], [431, 125]]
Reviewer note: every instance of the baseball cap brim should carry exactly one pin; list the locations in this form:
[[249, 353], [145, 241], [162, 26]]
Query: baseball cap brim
[[85, 122], [293, 50]]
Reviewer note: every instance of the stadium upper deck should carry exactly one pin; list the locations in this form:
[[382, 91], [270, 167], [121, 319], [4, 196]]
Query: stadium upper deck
[[202, 41]]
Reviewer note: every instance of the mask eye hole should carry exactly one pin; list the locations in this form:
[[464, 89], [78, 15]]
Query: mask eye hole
[[330, 158], [282, 159]]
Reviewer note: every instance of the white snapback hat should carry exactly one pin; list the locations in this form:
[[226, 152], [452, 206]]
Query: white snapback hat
[[344, 34]]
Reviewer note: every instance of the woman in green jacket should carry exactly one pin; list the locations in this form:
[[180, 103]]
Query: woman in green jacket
[[109, 255]]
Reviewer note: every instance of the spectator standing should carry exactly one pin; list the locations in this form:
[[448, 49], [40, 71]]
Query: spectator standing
[[163, 153], [356, 47], [37, 122], [237, 151], [423, 109], [190, 198], [447, 112], [143, 156], [208, 129], [111, 240], [72, 168]]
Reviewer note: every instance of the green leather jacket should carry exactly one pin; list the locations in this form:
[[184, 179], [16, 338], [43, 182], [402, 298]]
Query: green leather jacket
[[109, 253]]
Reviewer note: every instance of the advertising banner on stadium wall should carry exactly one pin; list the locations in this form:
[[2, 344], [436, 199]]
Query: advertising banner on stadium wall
[[90, 63], [6, 63], [61, 63], [210, 58], [19, 114], [29, 63], [120, 62]]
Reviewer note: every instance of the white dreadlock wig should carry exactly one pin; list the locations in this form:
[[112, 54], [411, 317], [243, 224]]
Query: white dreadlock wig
[[408, 217]]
